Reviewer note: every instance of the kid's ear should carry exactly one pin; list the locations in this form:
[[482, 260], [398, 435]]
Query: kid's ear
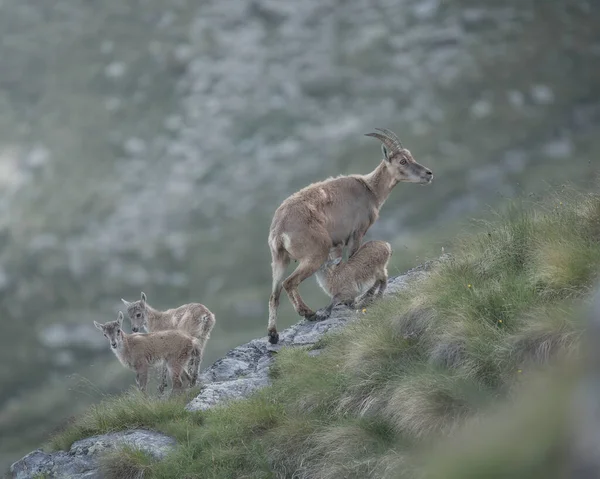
[[337, 261], [126, 303], [143, 296], [120, 318], [99, 326]]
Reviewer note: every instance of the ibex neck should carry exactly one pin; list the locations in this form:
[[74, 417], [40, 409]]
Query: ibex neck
[[381, 183], [122, 352], [154, 318]]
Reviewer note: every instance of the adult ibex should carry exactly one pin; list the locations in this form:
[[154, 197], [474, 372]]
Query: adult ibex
[[330, 213]]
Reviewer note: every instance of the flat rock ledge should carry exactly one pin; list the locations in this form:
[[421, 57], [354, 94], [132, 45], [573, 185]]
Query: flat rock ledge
[[81, 461], [242, 371]]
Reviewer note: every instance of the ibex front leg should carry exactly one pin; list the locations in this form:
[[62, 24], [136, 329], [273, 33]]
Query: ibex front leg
[[141, 378], [324, 313]]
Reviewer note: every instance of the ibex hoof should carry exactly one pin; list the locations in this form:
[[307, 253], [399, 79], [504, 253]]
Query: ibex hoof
[[273, 337]]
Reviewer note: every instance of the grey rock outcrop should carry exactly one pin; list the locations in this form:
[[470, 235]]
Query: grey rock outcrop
[[81, 461], [245, 369]]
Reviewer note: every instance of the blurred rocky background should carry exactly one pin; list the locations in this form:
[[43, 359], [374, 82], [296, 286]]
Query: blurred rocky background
[[144, 145]]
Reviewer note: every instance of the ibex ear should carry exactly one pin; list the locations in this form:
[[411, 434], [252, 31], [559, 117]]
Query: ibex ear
[[336, 261], [143, 296], [99, 326], [385, 152], [126, 303], [120, 318]]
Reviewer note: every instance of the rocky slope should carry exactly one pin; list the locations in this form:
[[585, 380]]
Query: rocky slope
[[242, 371]]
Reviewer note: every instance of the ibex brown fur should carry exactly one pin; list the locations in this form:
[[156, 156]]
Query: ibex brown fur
[[365, 272], [334, 212], [194, 319], [139, 351]]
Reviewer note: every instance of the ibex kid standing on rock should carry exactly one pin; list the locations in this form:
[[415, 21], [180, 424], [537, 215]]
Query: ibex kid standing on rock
[[194, 319], [364, 272], [334, 212], [141, 351]]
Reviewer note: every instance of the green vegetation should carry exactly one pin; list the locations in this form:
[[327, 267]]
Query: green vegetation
[[131, 410], [418, 369], [126, 463]]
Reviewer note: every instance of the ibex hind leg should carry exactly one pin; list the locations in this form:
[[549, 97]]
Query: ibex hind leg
[[305, 269], [176, 371], [373, 293], [367, 298], [163, 379], [190, 370], [382, 286], [311, 254], [195, 370], [185, 375], [279, 264]]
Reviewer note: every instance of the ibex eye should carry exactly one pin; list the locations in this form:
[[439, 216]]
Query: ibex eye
[[138, 315], [403, 161]]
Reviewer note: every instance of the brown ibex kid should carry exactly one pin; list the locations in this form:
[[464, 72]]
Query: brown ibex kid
[[141, 351], [334, 212], [194, 319], [365, 272]]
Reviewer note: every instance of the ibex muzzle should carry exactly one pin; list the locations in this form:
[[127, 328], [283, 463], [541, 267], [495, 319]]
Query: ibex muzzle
[[331, 213]]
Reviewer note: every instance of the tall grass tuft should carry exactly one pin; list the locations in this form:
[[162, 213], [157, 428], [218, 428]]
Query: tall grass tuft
[[125, 463]]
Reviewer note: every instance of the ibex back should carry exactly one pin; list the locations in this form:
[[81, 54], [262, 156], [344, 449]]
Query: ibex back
[[334, 212]]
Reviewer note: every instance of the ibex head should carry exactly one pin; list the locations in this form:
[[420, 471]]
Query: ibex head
[[399, 161], [137, 313], [112, 330]]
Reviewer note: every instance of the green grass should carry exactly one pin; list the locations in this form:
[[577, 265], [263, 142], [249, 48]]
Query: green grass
[[129, 411], [432, 380], [126, 463]]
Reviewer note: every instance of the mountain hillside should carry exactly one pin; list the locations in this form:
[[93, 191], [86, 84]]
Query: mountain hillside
[[403, 388], [144, 146]]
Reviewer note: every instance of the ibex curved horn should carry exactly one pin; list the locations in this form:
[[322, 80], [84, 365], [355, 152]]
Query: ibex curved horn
[[385, 140], [392, 135]]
